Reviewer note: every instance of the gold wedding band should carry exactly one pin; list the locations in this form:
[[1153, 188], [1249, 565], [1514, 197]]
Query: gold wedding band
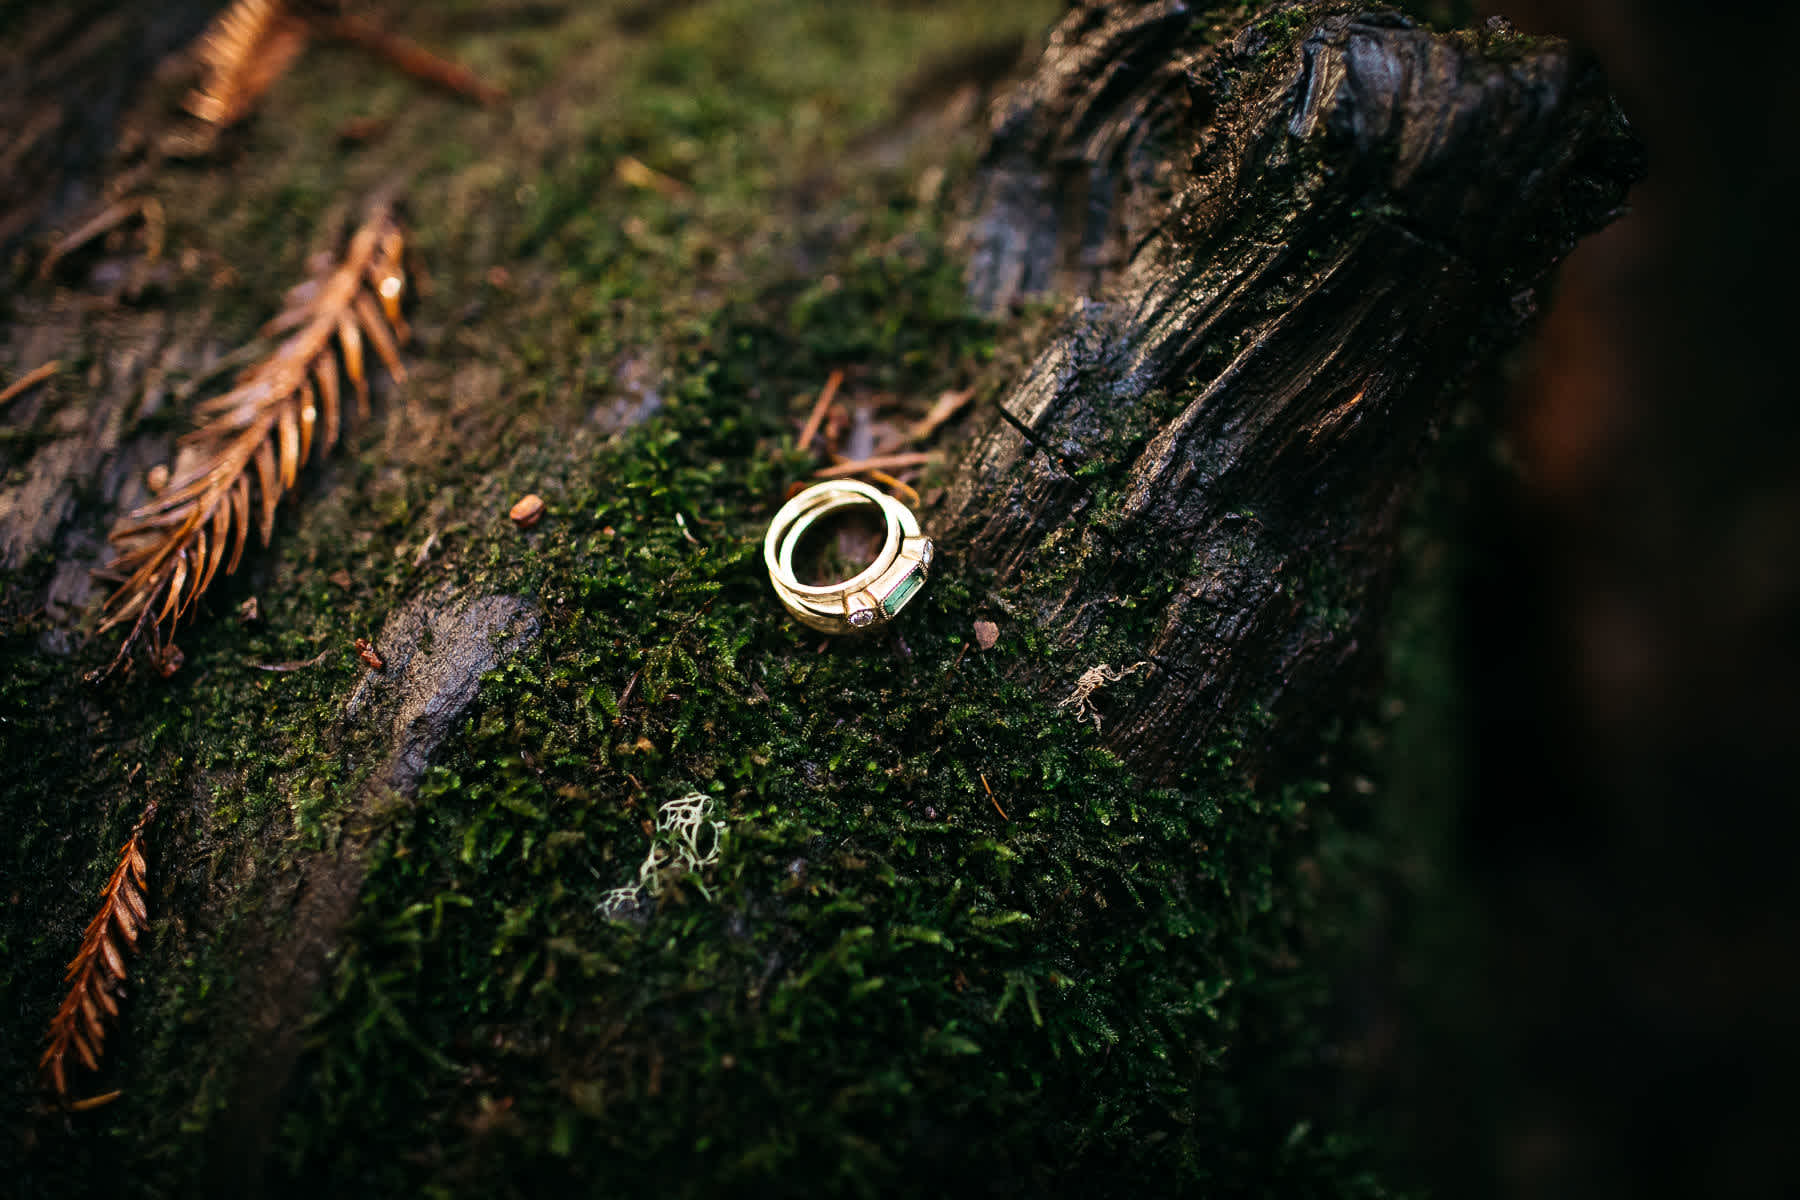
[[872, 596]]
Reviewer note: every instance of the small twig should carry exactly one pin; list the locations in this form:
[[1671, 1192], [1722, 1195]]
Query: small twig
[[826, 395], [905, 492], [857, 466], [990, 792], [103, 222], [298, 665], [30, 379], [411, 57], [947, 406]]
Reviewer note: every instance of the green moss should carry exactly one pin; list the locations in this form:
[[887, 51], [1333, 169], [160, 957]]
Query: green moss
[[885, 979]]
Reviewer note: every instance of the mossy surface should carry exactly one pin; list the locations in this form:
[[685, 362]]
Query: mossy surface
[[948, 940]]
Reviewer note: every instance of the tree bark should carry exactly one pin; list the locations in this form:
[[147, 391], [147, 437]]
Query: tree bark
[[1305, 246]]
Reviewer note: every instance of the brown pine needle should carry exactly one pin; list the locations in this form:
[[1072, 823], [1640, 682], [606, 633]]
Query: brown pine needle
[[299, 664], [826, 395], [257, 436], [92, 1102], [991, 797], [411, 58], [104, 222], [880, 462], [947, 406], [902, 490], [29, 380], [96, 974]]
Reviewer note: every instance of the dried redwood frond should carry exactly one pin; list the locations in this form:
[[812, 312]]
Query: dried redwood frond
[[242, 53], [252, 44], [96, 974], [257, 436]]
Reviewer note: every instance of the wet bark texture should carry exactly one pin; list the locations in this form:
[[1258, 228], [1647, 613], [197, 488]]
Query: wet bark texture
[[1304, 247]]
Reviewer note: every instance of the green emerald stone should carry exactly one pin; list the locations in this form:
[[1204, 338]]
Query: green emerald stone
[[915, 579]]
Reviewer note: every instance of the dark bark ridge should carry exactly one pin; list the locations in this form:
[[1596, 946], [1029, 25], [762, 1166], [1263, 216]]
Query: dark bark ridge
[[1206, 471]]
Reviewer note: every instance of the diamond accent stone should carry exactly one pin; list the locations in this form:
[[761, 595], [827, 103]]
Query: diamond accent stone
[[861, 617]]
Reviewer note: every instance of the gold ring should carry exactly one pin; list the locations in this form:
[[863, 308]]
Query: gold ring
[[873, 595]]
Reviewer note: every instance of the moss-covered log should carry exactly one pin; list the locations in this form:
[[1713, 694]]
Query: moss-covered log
[[413, 934]]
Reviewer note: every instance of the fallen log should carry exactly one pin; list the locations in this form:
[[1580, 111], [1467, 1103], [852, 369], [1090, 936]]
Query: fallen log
[[427, 934]]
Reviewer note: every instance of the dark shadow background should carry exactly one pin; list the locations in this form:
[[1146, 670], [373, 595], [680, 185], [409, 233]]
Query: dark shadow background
[[1628, 625]]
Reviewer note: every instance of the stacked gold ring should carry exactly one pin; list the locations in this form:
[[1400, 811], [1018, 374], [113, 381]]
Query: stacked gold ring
[[875, 594]]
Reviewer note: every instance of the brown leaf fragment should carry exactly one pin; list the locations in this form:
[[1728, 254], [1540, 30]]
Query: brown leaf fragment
[[110, 956], [350, 346], [986, 634], [90, 1057], [366, 651], [326, 377], [173, 596], [240, 520], [90, 1014], [127, 924], [221, 533], [267, 488], [288, 425], [52, 1065], [308, 420], [89, 1102], [369, 319]]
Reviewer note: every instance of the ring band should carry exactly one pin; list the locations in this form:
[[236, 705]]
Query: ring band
[[872, 596]]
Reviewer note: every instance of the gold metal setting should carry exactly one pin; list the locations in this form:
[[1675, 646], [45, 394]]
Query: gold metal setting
[[875, 594]]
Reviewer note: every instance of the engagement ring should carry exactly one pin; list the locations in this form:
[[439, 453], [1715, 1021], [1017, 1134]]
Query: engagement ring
[[874, 594]]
